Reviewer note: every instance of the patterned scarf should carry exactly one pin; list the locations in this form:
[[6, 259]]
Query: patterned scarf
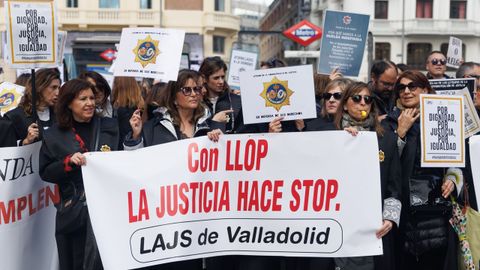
[[365, 125]]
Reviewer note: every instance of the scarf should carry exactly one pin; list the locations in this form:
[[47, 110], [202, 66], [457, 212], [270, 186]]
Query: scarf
[[365, 125]]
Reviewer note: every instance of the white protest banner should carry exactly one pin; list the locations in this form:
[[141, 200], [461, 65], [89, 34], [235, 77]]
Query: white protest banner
[[268, 93], [31, 34], [27, 214], [10, 95], [150, 53], [442, 134], [454, 53], [474, 143], [255, 194], [240, 61], [461, 87]]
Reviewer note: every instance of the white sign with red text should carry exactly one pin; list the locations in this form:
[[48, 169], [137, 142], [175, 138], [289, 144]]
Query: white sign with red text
[[27, 214], [257, 194]]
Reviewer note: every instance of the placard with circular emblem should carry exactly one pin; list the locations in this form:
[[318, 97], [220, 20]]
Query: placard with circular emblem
[[276, 93], [146, 51]]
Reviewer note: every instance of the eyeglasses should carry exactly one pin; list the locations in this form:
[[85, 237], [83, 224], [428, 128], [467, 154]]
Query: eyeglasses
[[187, 91], [411, 86], [438, 61], [328, 96], [358, 98]]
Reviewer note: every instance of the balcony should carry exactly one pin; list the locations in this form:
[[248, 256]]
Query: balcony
[[426, 27], [219, 20], [108, 17]]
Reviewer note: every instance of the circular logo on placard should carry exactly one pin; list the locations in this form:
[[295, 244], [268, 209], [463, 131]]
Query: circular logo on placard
[[146, 51], [276, 93]]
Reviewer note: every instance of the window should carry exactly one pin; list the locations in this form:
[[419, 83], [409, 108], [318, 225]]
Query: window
[[72, 3], [417, 53], [109, 3], [381, 9], [219, 5], [145, 4], [458, 9], [382, 51], [424, 8], [218, 44]]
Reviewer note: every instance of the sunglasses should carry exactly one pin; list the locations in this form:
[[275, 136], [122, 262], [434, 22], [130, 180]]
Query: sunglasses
[[187, 91], [411, 86], [438, 61], [328, 96], [358, 98]]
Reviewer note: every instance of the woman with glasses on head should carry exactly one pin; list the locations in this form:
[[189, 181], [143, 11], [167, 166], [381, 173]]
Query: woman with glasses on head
[[427, 240], [223, 104], [329, 105], [357, 112], [29, 125]]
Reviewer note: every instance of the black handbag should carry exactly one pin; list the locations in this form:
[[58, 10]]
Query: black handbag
[[72, 213]]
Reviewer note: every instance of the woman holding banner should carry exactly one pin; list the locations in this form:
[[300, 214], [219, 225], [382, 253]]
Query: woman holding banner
[[427, 240], [29, 125], [357, 112], [180, 116], [77, 131]]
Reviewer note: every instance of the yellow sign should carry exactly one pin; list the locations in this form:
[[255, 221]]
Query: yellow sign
[[276, 93], [146, 51], [9, 99]]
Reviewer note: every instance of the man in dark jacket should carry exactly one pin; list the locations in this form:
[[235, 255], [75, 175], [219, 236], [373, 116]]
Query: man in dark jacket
[[436, 65], [384, 75]]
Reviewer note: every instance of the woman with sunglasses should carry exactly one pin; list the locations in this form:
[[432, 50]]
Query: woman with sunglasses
[[329, 105], [427, 240], [357, 112]]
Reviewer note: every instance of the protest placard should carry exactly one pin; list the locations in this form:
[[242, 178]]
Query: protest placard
[[454, 53], [442, 131], [278, 92], [461, 87], [474, 143], [343, 42], [251, 194], [240, 61], [31, 34], [10, 96], [150, 53], [27, 214]]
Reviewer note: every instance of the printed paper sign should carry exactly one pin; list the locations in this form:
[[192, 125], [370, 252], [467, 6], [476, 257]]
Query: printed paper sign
[[454, 54], [343, 42], [474, 143], [10, 95], [278, 92], [240, 61], [465, 88], [251, 194], [150, 53], [31, 34], [27, 214], [442, 131]]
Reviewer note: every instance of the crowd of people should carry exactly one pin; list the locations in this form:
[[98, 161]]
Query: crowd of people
[[85, 114]]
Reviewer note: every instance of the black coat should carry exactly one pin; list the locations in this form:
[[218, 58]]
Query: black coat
[[21, 121], [320, 124], [7, 133], [227, 101], [58, 144], [421, 232], [123, 115]]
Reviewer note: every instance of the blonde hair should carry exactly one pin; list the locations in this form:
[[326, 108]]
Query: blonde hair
[[127, 93]]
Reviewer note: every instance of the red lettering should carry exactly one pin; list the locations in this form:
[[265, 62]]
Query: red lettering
[[172, 200], [238, 166], [265, 203], [207, 203], [22, 205], [332, 190], [277, 195], [9, 213], [249, 155], [32, 210], [295, 203], [228, 165], [318, 199], [262, 150], [242, 195], [192, 164], [183, 209]]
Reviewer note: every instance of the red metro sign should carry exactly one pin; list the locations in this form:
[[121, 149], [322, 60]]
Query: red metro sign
[[108, 54], [304, 33]]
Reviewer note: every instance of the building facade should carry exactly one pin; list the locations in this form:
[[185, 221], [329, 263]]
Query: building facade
[[250, 13], [94, 26], [404, 31]]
